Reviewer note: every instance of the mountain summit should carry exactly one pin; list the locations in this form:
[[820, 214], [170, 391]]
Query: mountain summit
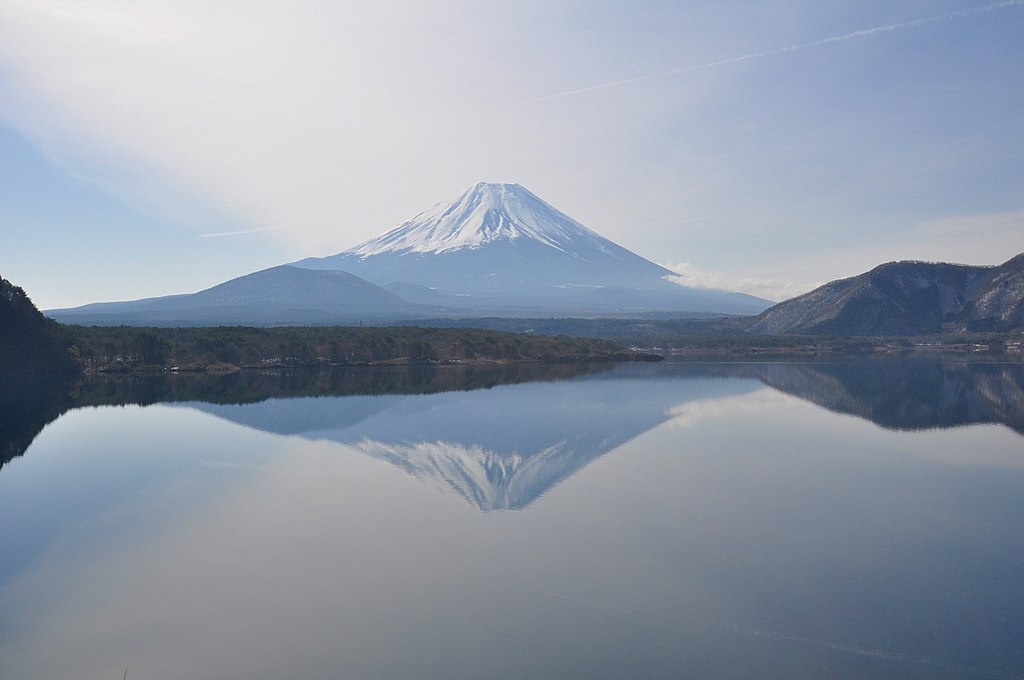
[[487, 213], [498, 248]]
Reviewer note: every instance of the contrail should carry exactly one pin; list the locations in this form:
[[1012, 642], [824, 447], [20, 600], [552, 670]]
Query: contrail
[[792, 48]]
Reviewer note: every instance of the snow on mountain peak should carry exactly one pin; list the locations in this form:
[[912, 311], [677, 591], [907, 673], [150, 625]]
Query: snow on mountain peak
[[485, 213]]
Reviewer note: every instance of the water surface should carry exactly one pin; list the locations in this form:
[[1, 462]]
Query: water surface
[[706, 520]]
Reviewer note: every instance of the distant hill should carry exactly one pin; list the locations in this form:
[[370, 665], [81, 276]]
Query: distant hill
[[282, 295], [906, 298]]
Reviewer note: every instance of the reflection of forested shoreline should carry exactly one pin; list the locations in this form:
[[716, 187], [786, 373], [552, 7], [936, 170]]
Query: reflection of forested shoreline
[[904, 394], [897, 393], [243, 387], [907, 394], [27, 406]]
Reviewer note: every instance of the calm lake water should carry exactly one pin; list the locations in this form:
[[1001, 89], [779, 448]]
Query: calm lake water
[[853, 520]]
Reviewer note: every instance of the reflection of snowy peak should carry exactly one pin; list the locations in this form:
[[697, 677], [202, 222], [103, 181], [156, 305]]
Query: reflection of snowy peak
[[486, 479], [498, 448], [504, 447]]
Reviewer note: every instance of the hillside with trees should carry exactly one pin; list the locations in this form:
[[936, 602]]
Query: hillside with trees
[[231, 347], [905, 299], [30, 343]]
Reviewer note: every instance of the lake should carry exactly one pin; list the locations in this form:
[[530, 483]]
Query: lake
[[852, 519]]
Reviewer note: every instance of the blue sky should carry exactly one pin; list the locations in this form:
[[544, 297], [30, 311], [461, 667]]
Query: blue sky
[[157, 148]]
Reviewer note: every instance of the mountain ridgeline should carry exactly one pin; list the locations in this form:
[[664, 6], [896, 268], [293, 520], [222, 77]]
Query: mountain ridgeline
[[906, 299], [493, 250], [282, 295]]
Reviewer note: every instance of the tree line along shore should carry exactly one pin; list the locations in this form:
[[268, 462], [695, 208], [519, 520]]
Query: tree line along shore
[[226, 348], [32, 344], [123, 348]]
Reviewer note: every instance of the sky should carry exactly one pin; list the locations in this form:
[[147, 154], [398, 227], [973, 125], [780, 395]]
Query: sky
[[764, 146]]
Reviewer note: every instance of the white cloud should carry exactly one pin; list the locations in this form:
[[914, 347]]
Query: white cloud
[[328, 123], [321, 117], [769, 288]]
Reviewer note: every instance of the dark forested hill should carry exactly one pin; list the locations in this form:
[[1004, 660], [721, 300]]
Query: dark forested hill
[[36, 371], [30, 344], [906, 298]]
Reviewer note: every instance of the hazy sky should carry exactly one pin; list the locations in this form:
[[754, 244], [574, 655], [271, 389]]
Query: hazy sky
[[154, 148]]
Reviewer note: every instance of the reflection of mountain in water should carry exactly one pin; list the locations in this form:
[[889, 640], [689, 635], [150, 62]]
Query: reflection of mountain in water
[[500, 448], [907, 394], [500, 436], [503, 448], [30, 403], [26, 407]]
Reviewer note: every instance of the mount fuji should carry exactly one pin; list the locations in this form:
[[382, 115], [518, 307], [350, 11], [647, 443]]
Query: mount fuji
[[493, 250], [498, 248]]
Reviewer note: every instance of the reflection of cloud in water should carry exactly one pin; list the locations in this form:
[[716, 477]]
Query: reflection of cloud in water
[[233, 465], [689, 413], [127, 553], [968, 453]]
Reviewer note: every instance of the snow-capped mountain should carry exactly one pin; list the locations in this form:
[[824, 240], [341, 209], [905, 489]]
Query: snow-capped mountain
[[487, 213], [500, 247], [493, 250]]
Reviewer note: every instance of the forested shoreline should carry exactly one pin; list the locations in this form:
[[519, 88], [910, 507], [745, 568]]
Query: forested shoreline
[[124, 348], [33, 346]]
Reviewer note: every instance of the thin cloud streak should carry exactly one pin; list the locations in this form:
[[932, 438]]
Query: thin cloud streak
[[791, 48], [227, 234]]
